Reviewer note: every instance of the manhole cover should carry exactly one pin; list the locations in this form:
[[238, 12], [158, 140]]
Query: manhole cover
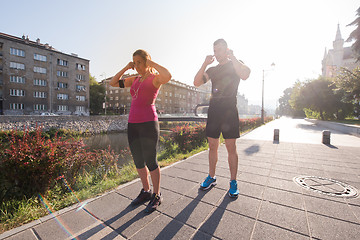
[[326, 186]]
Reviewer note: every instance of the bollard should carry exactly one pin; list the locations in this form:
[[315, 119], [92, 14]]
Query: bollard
[[326, 137], [276, 134]]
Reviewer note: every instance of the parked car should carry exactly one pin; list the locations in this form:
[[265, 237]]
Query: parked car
[[48, 114]]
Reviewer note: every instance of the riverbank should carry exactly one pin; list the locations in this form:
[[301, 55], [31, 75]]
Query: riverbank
[[81, 124]]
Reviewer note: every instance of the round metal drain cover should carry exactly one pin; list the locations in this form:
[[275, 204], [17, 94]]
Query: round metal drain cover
[[326, 186]]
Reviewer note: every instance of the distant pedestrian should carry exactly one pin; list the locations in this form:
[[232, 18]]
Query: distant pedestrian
[[143, 125], [223, 115]]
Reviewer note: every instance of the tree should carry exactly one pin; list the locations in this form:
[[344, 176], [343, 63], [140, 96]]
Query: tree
[[355, 35], [285, 107], [349, 82], [318, 96], [97, 94]]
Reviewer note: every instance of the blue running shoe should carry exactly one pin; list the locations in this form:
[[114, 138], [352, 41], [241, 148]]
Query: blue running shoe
[[208, 182], [233, 191]]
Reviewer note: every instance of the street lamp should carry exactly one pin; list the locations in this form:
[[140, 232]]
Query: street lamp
[[262, 103], [104, 75]]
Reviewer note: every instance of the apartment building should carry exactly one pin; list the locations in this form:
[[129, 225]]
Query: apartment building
[[37, 78]]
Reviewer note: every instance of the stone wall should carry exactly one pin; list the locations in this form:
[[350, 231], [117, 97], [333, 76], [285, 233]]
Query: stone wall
[[84, 124]]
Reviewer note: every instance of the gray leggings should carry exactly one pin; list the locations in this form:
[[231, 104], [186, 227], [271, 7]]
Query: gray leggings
[[143, 140]]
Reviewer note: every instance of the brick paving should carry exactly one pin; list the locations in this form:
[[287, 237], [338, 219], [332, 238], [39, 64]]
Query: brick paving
[[270, 205]]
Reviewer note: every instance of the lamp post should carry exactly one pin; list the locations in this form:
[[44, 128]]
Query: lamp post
[[262, 102]]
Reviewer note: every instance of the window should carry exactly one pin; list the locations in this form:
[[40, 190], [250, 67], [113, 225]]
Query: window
[[17, 52], [80, 77], [40, 107], [62, 108], [17, 79], [62, 62], [17, 65], [40, 82], [80, 88], [80, 66], [39, 94], [62, 85], [80, 98], [39, 57], [80, 108], [62, 96], [62, 74], [17, 92], [16, 106], [40, 70]]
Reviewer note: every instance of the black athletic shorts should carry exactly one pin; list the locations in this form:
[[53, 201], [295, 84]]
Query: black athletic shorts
[[223, 118], [143, 140]]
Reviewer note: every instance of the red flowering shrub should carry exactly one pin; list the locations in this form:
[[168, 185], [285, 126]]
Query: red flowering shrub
[[249, 123], [30, 163], [189, 137]]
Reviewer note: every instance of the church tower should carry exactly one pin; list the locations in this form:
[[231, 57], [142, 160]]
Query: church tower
[[338, 45]]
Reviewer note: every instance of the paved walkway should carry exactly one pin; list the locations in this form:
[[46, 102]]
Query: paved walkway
[[270, 204]]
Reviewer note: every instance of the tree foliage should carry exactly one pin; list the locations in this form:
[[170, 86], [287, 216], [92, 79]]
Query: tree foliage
[[97, 94], [355, 35], [349, 82], [320, 97]]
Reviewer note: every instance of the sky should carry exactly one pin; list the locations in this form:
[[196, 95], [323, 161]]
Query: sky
[[179, 34]]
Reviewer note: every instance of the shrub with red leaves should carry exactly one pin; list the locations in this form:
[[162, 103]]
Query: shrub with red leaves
[[31, 163]]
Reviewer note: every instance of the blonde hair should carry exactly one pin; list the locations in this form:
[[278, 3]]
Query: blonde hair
[[145, 56]]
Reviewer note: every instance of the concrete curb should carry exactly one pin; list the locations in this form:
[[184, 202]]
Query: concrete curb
[[344, 128]]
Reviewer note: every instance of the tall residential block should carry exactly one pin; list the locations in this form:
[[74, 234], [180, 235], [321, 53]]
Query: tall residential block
[[37, 78]]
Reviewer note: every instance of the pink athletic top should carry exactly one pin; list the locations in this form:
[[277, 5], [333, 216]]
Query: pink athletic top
[[143, 101]]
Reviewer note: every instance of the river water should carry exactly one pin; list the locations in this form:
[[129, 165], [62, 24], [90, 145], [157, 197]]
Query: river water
[[116, 140]]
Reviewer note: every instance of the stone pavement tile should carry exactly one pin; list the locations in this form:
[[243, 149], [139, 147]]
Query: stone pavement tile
[[253, 178], [356, 211], [287, 185], [178, 171], [164, 227], [177, 185], [243, 205], [210, 196], [190, 211], [169, 199], [64, 225], [283, 175], [329, 228], [286, 217], [130, 191], [24, 235], [262, 165], [336, 208], [253, 170], [306, 171], [264, 231], [342, 177], [285, 168], [224, 224], [283, 197], [115, 211], [251, 189], [195, 166], [199, 235], [97, 231]]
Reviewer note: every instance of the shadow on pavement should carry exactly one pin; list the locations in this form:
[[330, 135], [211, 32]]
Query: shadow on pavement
[[252, 149], [209, 227], [173, 227], [107, 223]]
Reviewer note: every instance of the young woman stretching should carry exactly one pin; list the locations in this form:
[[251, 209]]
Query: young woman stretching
[[143, 126]]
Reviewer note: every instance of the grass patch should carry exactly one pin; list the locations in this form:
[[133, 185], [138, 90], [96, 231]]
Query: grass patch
[[349, 121]]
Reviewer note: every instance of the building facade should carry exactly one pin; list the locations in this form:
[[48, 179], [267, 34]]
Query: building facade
[[338, 57], [36, 78], [174, 98]]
